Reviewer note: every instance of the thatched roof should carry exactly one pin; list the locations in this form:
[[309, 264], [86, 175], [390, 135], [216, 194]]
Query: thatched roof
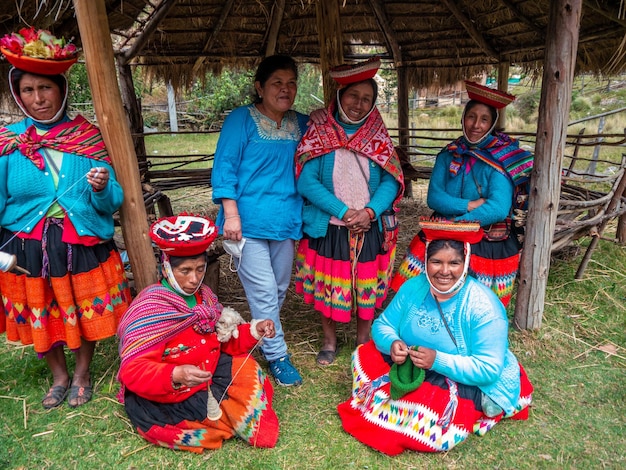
[[437, 40]]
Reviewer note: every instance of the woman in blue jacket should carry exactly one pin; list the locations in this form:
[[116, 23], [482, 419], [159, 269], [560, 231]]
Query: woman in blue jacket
[[481, 176], [349, 175], [58, 193]]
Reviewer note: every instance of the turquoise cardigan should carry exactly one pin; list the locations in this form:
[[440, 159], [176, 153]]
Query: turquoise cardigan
[[315, 184], [26, 193]]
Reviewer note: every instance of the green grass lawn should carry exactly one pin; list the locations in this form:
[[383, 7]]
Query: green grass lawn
[[576, 361]]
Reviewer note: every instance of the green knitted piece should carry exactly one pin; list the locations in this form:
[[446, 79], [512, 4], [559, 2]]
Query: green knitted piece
[[405, 378]]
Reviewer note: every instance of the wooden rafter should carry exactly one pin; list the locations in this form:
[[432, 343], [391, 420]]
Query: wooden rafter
[[471, 30], [520, 16], [388, 32], [607, 14], [147, 31], [278, 12], [216, 30]]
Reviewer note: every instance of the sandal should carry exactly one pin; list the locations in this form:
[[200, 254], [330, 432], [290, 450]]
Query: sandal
[[57, 393], [79, 393], [326, 357]]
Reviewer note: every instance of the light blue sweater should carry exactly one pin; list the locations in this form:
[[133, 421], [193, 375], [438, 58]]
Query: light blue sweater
[[26, 193], [315, 184], [480, 328]]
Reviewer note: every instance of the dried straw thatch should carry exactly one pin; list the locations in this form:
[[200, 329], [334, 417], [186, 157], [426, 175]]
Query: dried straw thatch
[[438, 41]]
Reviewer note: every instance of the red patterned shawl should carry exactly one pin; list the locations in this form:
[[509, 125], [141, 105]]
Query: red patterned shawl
[[77, 136], [371, 140]]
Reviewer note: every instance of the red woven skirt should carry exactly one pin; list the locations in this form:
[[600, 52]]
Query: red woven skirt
[[419, 420], [245, 396], [83, 294]]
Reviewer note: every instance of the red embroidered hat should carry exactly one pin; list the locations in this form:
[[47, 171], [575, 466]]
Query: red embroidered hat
[[442, 229], [346, 73], [495, 98], [38, 51], [184, 234]]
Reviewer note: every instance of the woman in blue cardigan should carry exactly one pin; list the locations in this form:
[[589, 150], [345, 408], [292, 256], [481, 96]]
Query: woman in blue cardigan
[[349, 174], [58, 193], [481, 176], [439, 367]]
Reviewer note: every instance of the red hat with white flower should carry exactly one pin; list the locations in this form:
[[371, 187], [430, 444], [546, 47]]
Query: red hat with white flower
[[184, 234], [346, 73]]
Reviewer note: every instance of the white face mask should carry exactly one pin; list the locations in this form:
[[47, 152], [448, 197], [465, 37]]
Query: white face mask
[[235, 249]]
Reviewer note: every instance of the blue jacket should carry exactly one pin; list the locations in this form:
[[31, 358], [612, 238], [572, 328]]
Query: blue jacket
[[480, 327], [26, 193], [448, 194], [315, 184]]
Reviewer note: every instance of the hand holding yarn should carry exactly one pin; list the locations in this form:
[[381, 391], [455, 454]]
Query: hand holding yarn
[[98, 178]]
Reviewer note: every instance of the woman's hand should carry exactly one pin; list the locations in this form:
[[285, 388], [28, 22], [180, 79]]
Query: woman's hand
[[232, 220], [98, 178], [318, 116], [399, 351], [357, 221], [266, 329], [475, 203], [190, 376], [424, 358]]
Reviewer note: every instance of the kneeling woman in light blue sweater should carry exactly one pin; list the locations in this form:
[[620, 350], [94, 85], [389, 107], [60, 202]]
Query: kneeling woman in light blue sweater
[[439, 366]]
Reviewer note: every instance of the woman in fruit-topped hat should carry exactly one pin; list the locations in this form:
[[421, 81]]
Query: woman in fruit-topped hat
[[482, 176], [58, 193]]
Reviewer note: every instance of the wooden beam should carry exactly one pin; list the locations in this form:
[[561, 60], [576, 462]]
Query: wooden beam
[[147, 31], [388, 32], [218, 27], [331, 42], [278, 11], [471, 30], [556, 93], [517, 13], [96, 41], [613, 16], [503, 85]]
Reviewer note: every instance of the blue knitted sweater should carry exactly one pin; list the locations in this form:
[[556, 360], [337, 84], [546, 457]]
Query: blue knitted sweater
[[26, 193], [480, 327]]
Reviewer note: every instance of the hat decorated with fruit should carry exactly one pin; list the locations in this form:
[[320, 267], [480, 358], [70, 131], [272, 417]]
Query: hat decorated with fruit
[[38, 51], [347, 73], [489, 96], [183, 234]]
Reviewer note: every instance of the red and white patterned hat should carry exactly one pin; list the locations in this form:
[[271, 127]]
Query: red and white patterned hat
[[347, 73], [495, 98], [184, 234], [442, 229]]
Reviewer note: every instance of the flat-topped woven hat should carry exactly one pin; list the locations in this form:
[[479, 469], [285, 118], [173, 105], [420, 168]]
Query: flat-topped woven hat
[[184, 234], [38, 51], [442, 229], [353, 73], [495, 98]]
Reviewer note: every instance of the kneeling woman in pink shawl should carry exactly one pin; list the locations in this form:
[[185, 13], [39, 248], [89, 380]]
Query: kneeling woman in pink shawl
[[188, 379]]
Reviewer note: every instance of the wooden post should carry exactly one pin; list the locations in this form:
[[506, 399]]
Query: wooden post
[[556, 92], [503, 85], [403, 120], [331, 44], [96, 42]]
